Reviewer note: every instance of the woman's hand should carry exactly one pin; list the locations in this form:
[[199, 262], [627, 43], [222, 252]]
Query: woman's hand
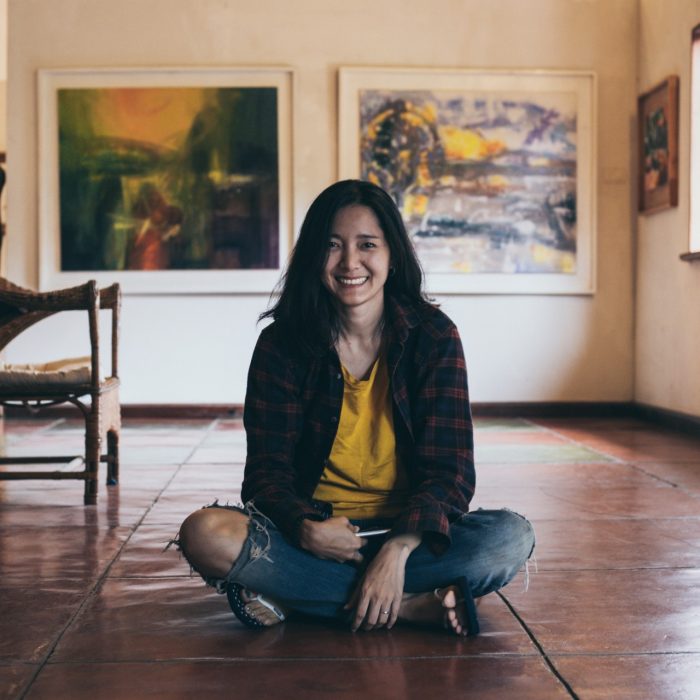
[[334, 538], [377, 598]]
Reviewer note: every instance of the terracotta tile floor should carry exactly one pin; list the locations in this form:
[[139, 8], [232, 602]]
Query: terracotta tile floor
[[91, 606]]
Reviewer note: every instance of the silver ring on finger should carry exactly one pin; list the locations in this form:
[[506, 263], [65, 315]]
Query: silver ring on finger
[[385, 612]]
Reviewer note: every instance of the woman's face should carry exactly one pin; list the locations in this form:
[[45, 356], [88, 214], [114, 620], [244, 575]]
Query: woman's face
[[358, 259]]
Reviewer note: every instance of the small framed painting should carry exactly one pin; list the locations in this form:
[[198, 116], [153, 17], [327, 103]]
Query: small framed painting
[[165, 180], [493, 171], [657, 114]]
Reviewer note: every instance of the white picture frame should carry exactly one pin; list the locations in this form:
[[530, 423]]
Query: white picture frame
[[393, 121], [245, 258]]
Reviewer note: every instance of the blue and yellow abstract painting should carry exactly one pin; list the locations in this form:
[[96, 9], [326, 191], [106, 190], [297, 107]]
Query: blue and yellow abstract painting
[[486, 182]]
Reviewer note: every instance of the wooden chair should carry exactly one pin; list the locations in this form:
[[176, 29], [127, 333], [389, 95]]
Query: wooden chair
[[71, 381]]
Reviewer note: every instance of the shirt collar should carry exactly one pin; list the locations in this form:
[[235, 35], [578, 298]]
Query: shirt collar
[[403, 316]]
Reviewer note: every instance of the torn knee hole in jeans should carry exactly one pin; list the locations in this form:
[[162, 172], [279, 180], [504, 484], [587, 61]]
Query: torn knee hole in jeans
[[257, 522], [531, 558], [217, 583]]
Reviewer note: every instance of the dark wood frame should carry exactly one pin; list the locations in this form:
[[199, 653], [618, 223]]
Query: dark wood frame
[[665, 94]]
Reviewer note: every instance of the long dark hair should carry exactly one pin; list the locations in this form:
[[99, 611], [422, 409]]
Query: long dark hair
[[304, 310]]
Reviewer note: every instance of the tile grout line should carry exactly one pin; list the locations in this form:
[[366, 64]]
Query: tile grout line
[[603, 654], [90, 595], [292, 659], [542, 570], [683, 489], [52, 425], [623, 460], [350, 659], [573, 441], [204, 660], [633, 464], [539, 647]]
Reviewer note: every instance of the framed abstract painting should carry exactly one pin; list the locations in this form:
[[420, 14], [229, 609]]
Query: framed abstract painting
[[657, 116], [493, 171], [167, 180]]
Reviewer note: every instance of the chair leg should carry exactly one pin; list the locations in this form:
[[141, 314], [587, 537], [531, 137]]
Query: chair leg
[[113, 453], [90, 498], [92, 457]]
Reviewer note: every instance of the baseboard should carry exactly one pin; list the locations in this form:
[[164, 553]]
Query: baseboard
[[668, 418], [181, 411], [554, 409]]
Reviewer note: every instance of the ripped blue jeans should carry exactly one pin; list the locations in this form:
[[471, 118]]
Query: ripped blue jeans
[[488, 548]]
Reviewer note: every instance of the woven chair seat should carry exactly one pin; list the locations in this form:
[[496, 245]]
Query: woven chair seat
[[68, 375]]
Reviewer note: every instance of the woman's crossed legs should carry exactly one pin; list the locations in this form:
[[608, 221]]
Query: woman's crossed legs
[[228, 545]]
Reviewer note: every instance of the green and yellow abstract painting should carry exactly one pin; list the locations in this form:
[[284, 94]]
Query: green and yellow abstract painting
[[168, 178]]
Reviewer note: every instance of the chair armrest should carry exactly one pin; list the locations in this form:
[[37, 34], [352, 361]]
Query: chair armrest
[[110, 297], [83, 296], [21, 308], [25, 307]]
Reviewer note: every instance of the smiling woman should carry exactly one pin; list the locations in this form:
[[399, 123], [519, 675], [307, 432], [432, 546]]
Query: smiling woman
[[357, 418], [348, 224], [356, 270], [358, 262]]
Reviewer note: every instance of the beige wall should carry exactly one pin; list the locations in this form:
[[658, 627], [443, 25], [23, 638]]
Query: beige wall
[[193, 349], [3, 95], [3, 73], [668, 290]]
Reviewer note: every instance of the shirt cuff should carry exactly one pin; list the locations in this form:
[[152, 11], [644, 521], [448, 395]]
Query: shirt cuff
[[433, 527]]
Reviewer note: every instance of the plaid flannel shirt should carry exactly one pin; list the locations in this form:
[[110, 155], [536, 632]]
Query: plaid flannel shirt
[[293, 406]]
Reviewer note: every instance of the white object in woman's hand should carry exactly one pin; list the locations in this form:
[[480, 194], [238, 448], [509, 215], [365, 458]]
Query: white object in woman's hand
[[334, 539], [371, 533]]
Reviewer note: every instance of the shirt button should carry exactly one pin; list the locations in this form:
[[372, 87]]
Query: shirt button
[[334, 419], [338, 376]]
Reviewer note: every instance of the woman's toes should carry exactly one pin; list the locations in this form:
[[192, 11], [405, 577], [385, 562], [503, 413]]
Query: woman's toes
[[443, 605], [453, 621], [449, 602], [258, 610], [261, 613]]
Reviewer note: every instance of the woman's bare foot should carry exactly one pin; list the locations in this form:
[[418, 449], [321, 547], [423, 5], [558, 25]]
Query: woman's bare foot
[[441, 607], [261, 611]]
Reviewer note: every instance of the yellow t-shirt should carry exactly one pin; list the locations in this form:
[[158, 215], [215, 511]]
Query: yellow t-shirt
[[362, 478]]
